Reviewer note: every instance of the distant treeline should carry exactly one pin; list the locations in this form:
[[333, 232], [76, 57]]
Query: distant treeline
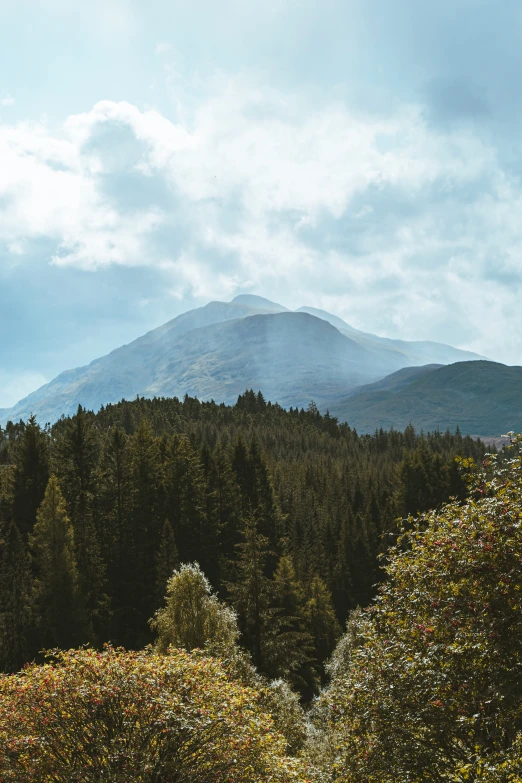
[[286, 512]]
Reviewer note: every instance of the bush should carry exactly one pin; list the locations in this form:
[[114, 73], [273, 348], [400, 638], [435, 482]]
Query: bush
[[427, 684], [122, 717]]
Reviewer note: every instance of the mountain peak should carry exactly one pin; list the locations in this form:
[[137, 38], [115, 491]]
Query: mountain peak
[[258, 303]]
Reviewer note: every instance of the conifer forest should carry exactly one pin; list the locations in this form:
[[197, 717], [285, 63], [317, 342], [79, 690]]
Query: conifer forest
[[264, 550]]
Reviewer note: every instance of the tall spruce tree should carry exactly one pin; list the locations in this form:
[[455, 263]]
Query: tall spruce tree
[[223, 509], [15, 595], [113, 507], [252, 591], [77, 452], [141, 537], [289, 643], [31, 474], [186, 507], [322, 621], [167, 559], [57, 604]]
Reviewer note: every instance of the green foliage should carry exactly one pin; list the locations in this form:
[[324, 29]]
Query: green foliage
[[192, 617], [252, 591], [426, 684], [30, 455], [119, 717], [57, 605], [321, 620], [288, 641], [167, 558], [15, 594], [143, 479], [76, 452]]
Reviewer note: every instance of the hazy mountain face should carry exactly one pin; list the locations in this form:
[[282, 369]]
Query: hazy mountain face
[[216, 351]]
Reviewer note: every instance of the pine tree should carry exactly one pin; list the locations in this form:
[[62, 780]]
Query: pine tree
[[56, 597], [15, 593], [113, 498], [141, 537], [167, 559], [252, 591], [77, 452], [223, 509], [186, 507], [31, 474], [289, 643], [322, 621]]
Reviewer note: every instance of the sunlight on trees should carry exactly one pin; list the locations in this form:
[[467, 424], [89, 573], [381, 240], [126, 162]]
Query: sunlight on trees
[[121, 717]]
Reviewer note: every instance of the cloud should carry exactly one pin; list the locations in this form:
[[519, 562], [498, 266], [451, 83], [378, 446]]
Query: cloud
[[7, 101], [404, 226]]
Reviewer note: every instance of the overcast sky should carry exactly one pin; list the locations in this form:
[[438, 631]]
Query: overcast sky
[[363, 156]]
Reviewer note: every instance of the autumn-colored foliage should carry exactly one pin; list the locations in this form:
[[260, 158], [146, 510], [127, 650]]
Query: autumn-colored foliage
[[427, 683], [123, 717]]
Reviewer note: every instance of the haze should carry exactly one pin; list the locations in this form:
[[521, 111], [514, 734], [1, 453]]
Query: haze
[[360, 157]]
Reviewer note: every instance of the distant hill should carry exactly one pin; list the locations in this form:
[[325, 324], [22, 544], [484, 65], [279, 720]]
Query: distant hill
[[481, 397], [216, 351]]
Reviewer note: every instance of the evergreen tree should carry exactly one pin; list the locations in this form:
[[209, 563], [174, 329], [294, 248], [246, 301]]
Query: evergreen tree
[[31, 474], [322, 621], [186, 507], [252, 591], [223, 509], [112, 499], [77, 451], [167, 558], [15, 593], [141, 537], [289, 644], [56, 597]]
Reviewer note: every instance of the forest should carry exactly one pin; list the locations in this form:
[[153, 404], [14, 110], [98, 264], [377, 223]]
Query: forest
[[271, 565]]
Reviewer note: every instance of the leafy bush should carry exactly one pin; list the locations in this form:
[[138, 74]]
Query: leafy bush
[[122, 717], [427, 683]]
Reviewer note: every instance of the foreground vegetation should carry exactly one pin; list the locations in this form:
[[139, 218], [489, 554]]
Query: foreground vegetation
[[119, 717]]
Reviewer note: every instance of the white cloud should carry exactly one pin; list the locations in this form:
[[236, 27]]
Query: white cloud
[[7, 101], [400, 228]]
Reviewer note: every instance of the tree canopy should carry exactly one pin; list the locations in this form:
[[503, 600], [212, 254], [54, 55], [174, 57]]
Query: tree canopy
[[427, 682]]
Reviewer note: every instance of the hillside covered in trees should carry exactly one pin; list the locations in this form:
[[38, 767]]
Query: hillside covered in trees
[[249, 676], [285, 511]]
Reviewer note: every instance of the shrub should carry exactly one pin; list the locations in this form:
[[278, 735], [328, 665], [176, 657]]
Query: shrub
[[427, 685], [123, 717]]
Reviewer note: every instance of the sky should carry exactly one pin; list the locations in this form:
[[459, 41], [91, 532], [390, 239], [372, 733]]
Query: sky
[[361, 156]]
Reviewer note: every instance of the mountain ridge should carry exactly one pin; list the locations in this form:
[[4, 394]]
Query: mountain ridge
[[312, 355]]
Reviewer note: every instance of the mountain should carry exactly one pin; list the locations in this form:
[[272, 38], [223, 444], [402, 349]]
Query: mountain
[[414, 352], [481, 397], [216, 351]]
